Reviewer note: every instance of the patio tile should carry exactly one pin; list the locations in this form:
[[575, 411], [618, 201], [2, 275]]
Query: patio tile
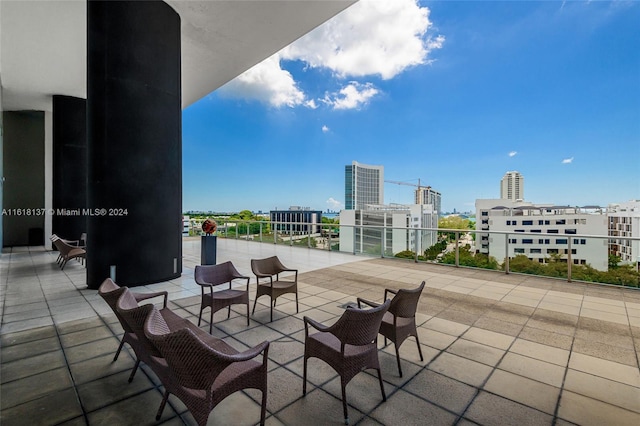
[[403, 408], [128, 411], [462, 369], [317, 408], [541, 352], [31, 365], [497, 340], [435, 339], [28, 349], [547, 338], [53, 408], [586, 411], [445, 326], [34, 387], [608, 391], [541, 371], [523, 390], [101, 366], [85, 336], [603, 368], [476, 351], [92, 349], [488, 409], [108, 390], [608, 351], [285, 350], [441, 390]]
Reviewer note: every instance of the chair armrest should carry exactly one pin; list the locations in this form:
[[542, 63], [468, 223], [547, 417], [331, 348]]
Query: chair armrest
[[315, 324], [144, 296], [367, 302], [389, 290], [249, 353]]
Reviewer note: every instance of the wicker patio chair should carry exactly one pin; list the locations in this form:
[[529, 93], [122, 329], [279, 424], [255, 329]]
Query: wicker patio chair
[[267, 269], [205, 370], [208, 276], [349, 346], [111, 292], [400, 320], [67, 252]]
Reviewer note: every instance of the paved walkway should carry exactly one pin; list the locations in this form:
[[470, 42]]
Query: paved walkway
[[498, 349]]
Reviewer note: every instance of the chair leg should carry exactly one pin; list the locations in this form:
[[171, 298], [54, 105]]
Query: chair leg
[[343, 385], [304, 377], [297, 302], [398, 359], [229, 312], [133, 371], [162, 404], [119, 348], [263, 408], [254, 305], [419, 350], [211, 321], [200, 316], [247, 314], [384, 395]]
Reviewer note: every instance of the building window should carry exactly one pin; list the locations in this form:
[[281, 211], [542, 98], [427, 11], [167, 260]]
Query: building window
[[518, 250], [552, 231], [561, 241], [485, 213], [583, 241], [541, 222], [561, 222], [534, 251], [536, 231], [552, 251], [527, 222], [527, 241], [514, 222], [573, 251], [513, 240], [570, 231], [519, 230]]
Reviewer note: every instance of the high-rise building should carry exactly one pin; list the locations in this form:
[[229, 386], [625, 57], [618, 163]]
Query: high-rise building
[[363, 185], [512, 186], [624, 221], [428, 195]]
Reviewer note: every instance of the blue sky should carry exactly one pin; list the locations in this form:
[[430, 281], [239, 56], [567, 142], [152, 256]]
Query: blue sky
[[453, 93]]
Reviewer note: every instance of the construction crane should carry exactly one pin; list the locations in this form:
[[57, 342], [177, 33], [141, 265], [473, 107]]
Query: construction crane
[[407, 183]]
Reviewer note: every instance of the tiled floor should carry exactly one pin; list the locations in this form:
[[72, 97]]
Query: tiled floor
[[498, 349]]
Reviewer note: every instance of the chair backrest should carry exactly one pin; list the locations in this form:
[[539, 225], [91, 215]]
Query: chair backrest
[[62, 247], [268, 266], [135, 316], [215, 274], [111, 292], [193, 363], [360, 326], [405, 302]]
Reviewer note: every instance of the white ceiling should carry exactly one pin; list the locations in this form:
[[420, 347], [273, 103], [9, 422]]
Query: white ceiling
[[43, 43]]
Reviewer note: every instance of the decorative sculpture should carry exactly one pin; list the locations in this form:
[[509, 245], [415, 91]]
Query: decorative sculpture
[[209, 226]]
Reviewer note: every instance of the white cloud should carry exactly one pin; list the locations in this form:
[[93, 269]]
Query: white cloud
[[268, 83], [567, 160], [369, 38], [352, 96], [325, 129], [513, 153], [333, 204]]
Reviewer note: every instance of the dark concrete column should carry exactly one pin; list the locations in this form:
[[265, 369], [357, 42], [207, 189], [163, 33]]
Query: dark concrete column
[[69, 166], [134, 142]]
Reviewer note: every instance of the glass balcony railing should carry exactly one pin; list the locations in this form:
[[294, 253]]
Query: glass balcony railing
[[568, 256]]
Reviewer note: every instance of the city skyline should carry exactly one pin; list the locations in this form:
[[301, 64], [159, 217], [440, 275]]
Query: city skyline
[[478, 89]]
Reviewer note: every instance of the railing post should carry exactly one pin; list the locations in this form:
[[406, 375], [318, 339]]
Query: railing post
[[329, 237], [354, 239], [506, 250], [569, 260], [457, 234], [275, 232], [260, 231], [415, 246], [382, 233], [309, 240]]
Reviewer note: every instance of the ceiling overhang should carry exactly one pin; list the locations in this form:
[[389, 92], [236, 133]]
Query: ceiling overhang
[[43, 46]]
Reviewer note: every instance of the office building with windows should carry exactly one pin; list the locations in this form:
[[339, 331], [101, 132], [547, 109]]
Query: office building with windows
[[388, 229], [624, 221], [428, 195], [363, 185], [540, 231], [296, 221], [512, 186]]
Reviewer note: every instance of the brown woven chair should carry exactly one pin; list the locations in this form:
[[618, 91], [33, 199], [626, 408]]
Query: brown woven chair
[[400, 320], [67, 252], [209, 276], [267, 269], [205, 370], [111, 292], [349, 346]]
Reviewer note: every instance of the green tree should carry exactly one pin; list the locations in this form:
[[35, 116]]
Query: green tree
[[614, 261]]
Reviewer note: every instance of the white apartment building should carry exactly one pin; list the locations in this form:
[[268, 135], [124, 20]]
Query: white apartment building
[[392, 229], [512, 186], [538, 231], [428, 195], [363, 185], [624, 221]]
